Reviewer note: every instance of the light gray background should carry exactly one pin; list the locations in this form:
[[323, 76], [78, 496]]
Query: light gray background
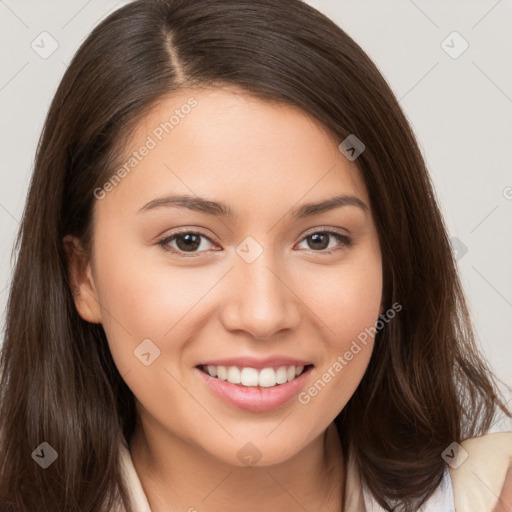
[[460, 109]]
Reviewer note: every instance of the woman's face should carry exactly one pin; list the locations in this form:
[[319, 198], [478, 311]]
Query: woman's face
[[254, 286]]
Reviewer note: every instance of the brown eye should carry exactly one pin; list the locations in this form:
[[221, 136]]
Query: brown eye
[[186, 241], [318, 241], [321, 240]]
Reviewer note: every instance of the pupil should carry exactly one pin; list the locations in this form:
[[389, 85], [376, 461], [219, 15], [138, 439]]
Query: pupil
[[316, 238], [190, 243]]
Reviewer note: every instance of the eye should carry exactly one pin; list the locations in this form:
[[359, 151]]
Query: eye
[[191, 241], [186, 241], [318, 241]]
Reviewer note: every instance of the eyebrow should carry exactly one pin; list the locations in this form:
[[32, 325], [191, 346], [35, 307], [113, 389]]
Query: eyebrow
[[200, 204]]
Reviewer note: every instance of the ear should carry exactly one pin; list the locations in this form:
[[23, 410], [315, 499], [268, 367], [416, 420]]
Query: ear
[[81, 280]]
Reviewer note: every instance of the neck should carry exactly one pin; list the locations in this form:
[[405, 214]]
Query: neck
[[180, 476]]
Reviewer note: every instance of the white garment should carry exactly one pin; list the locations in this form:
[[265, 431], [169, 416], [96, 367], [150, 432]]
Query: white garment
[[133, 485]]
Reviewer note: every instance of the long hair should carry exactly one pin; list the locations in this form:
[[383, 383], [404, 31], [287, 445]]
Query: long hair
[[426, 384]]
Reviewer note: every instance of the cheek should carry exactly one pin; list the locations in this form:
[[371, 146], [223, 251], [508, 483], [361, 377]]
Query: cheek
[[350, 310], [349, 307], [143, 299], [350, 300], [358, 306]]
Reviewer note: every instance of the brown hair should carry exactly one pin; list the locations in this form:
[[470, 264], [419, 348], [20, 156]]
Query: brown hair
[[425, 387]]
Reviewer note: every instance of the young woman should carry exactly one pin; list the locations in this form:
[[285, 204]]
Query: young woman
[[234, 289]]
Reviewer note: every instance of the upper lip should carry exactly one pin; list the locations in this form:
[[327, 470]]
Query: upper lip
[[257, 363]]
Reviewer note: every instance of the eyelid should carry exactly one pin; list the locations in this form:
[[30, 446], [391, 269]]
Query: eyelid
[[327, 229]]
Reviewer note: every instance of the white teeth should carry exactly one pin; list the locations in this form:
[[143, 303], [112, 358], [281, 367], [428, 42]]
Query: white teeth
[[222, 373], [234, 375], [281, 375], [265, 378], [249, 377]]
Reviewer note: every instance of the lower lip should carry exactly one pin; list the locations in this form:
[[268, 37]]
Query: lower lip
[[254, 398]]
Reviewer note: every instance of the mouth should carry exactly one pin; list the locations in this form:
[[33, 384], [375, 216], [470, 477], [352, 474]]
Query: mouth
[[257, 390], [268, 377]]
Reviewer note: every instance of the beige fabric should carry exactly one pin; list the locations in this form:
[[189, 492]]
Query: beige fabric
[[130, 477], [478, 481], [353, 498]]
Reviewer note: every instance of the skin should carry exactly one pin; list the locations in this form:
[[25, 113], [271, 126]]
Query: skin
[[505, 499], [262, 160]]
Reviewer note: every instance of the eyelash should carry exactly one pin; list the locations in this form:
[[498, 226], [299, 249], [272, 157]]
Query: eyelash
[[344, 239]]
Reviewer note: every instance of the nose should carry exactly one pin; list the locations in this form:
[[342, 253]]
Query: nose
[[261, 299]]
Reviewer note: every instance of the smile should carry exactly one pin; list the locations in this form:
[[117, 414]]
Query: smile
[[251, 377], [252, 389]]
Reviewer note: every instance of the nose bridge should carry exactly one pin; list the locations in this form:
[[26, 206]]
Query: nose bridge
[[262, 302]]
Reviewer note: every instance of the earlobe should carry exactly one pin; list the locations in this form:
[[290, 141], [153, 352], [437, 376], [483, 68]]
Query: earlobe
[[81, 280]]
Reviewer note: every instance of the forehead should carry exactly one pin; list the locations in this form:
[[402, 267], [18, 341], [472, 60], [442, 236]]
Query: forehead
[[226, 144]]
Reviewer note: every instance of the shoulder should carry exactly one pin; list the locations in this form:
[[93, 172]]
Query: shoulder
[[478, 469]]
